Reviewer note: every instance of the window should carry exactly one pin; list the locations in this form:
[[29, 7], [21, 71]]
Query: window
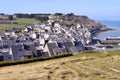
[[57, 53], [22, 57], [9, 57], [20, 49]]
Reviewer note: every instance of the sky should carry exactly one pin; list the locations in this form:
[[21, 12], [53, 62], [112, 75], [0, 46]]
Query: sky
[[94, 9]]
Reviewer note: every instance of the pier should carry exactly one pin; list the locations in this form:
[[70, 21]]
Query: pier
[[110, 41]]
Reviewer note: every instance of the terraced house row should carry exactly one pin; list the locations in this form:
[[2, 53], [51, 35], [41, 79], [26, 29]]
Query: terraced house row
[[43, 40]]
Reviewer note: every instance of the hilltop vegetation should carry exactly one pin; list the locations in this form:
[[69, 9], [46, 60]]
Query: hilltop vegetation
[[64, 19], [84, 66]]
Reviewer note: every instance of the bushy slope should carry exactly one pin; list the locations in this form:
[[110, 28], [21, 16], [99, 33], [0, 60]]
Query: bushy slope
[[84, 20]]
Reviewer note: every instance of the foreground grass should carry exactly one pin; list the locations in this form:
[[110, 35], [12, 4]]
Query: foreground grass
[[84, 66]]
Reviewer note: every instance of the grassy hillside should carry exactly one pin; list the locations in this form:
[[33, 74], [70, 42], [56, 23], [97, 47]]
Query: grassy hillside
[[22, 22], [11, 26], [84, 66], [26, 20]]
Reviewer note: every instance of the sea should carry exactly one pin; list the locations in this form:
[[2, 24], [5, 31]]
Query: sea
[[110, 24]]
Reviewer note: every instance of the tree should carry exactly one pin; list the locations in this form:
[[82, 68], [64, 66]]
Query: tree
[[58, 14], [45, 18], [10, 17], [19, 15], [70, 14], [2, 14], [32, 15]]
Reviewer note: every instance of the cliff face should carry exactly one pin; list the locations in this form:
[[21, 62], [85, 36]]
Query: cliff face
[[84, 20]]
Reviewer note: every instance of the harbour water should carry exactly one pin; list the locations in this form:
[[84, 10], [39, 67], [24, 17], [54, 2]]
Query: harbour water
[[113, 25]]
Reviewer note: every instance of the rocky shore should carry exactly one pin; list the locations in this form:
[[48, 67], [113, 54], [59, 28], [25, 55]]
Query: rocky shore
[[101, 31]]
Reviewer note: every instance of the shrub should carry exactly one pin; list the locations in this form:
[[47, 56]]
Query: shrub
[[9, 63]]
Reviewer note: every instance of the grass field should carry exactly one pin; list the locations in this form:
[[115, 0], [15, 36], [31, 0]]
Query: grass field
[[84, 66], [26, 20], [11, 26], [22, 23]]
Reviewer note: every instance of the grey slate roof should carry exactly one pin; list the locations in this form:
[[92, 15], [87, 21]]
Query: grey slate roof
[[52, 46]]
